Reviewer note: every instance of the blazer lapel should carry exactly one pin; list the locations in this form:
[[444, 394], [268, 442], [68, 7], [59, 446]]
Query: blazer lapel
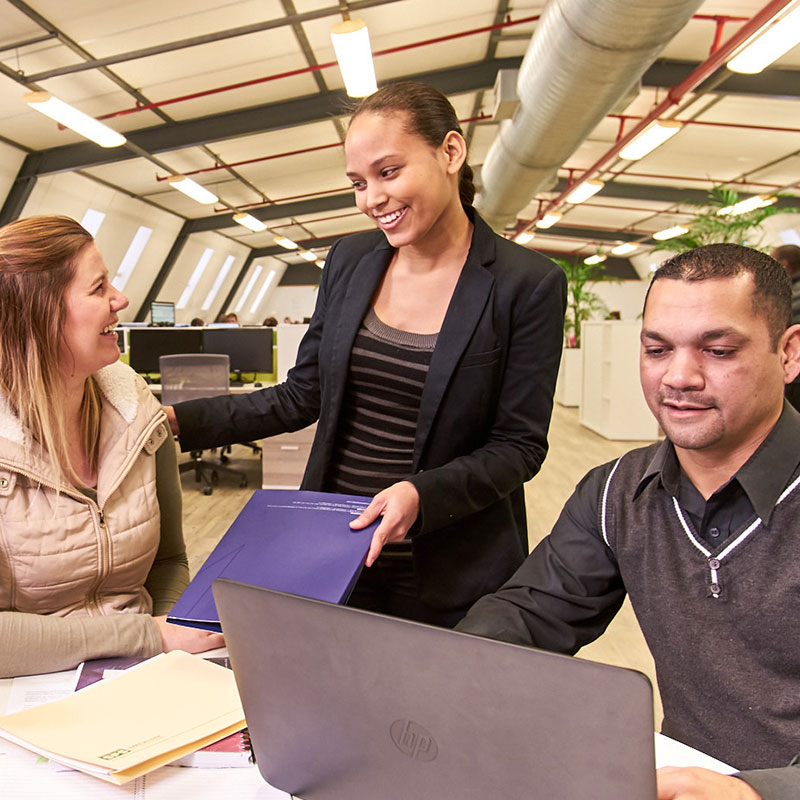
[[463, 314]]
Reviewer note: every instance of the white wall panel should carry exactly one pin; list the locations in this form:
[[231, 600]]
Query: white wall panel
[[185, 265], [72, 194], [10, 162]]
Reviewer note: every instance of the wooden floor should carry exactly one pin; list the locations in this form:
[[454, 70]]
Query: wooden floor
[[573, 451]]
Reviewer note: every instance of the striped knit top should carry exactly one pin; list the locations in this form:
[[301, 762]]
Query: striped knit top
[[375, 437]]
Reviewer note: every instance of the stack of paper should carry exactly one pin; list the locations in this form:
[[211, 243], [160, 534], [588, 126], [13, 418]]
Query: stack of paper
[[149, 716]]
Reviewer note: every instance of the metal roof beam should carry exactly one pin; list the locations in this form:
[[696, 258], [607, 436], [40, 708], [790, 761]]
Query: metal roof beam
[[772, 82], [247, 121]]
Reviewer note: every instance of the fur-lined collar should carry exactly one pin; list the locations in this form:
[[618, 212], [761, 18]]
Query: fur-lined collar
[[117, 382]]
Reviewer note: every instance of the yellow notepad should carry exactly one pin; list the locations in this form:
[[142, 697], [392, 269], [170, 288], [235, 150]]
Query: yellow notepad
[[150, 715]]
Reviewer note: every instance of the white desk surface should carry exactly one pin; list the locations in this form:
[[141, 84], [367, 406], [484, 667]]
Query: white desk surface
[[25, 776]]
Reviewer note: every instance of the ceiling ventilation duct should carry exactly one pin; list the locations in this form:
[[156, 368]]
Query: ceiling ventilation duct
[[585, 55]]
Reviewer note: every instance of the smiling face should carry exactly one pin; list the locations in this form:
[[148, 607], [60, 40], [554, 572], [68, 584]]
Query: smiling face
[[91, 303], [709, 371], [402, 183]]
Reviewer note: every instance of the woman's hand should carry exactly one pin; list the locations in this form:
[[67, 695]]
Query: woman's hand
[[399, 506], [192, 640], [172, 420], [693, 783]]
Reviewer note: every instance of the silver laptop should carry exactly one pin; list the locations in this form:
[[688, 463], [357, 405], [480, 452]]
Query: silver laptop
[[344, 704]]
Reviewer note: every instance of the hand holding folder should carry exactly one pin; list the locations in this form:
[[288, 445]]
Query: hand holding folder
[[291, 541], [149, 716]]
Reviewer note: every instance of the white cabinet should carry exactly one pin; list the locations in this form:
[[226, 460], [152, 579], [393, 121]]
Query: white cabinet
[[288, 341], [570, 377], [612, 402], [283, 458]]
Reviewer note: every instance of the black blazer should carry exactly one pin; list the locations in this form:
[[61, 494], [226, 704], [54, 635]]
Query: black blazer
[[484, 413]]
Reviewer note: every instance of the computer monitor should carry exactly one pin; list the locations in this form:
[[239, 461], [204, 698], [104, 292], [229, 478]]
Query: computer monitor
[[162, 313], [145, 345], [249, 349]]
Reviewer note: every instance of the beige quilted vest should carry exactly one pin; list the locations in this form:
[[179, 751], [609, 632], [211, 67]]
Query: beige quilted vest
[[62, 553]]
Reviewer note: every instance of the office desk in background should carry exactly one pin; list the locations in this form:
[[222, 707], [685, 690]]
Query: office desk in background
[[284, 456]]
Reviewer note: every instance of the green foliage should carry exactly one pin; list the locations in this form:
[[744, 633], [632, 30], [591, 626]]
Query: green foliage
[[711, 227], [582, 303]]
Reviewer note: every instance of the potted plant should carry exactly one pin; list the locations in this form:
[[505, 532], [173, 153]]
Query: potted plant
[[582, 304], [713, 224]]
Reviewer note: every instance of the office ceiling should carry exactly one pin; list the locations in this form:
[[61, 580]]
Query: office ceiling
[[162, 74]]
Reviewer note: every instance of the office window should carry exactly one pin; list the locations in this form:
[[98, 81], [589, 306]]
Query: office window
[[131, 257], [268, 280], [790, 236], [195, 278], [221, 275], [248, 288], [92, 220]]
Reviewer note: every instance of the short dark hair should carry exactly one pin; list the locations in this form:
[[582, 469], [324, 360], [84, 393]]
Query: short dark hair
[[789, 256], [430, 116], [772, 295]]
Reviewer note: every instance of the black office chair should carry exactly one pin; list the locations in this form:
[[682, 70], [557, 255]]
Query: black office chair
[[190, 376]]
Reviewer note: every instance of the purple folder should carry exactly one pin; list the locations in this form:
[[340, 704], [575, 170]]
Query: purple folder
[[292, 541]]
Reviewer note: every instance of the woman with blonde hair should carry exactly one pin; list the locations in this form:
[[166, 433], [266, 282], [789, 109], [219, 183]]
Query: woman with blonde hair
[[91, 542]]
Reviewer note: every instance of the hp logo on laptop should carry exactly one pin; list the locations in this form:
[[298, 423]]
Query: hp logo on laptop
[[411, 739]]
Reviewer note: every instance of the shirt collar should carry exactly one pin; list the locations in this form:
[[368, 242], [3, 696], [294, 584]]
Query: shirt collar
[[763, 476]]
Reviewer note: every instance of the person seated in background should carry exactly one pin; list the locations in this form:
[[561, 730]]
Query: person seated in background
[[270, 322], [197, 323], [700, 530], [91, 542], [788, 256]]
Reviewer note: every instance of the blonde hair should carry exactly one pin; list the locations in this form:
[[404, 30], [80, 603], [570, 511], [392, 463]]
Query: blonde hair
[[37, 264]]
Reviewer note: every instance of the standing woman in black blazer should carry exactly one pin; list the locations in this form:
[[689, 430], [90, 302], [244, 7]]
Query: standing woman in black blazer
[[430, 363]]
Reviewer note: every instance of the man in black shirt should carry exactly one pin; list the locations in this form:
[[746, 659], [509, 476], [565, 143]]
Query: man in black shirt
[[700, 530]]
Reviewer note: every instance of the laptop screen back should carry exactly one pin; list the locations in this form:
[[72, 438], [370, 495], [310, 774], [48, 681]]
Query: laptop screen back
[[344, 704]]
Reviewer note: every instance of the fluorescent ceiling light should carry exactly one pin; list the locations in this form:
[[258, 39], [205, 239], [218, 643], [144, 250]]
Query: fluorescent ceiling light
[[584, 191], [287, 243], [549, 219], [249, 221], [596, 259], [192, 189], [307, 255], [750, 204], [524, 237], [670, 233], [768, 44], [73, 119], [624, 248], [249, 288], [654, 135], [351, 44]]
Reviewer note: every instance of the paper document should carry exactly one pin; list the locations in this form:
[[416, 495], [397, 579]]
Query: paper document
[[149, 716]]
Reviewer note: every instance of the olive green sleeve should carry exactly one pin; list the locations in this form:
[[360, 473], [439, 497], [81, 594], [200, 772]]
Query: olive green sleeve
[[37, 643], [169, 575]]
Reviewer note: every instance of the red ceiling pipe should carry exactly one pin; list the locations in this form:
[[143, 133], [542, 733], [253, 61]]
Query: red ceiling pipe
[[771, 128], [302, 151], [736, 182], [315, 68], [259, 203], [676, 93]]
